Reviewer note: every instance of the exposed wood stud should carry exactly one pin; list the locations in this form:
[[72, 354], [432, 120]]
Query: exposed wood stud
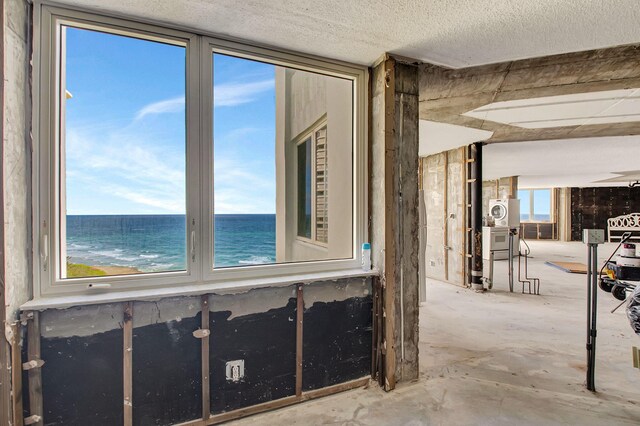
[[445, 229], [299, 336], [206, 386], [127, 365], [16, 375], [34, 367]]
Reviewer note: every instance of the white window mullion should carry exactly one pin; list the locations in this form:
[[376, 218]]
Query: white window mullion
[[206, 156], [193, 182]]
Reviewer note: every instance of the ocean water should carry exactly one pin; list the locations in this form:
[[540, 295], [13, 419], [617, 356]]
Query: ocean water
[[153, 243]]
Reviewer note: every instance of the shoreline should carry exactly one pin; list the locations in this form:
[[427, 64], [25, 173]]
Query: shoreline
[[81, 270], [118, 270]]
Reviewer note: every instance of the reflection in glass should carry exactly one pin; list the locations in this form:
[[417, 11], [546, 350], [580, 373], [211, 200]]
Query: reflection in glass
[[278, 133]]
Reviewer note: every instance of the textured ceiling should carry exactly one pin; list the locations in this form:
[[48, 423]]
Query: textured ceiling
[[563, 163], [455, 33]]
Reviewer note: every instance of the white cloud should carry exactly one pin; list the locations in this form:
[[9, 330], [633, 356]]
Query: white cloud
[[126, 167], [243, 186], [162, 107], [227, 94], [231, 94]]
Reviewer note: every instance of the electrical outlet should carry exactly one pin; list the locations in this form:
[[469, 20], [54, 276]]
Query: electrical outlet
[[235, 370]]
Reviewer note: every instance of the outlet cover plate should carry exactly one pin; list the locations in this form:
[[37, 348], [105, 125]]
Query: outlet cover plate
[[234, 370]]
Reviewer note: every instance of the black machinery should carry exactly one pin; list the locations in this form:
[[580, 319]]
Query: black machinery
[[619, 276]]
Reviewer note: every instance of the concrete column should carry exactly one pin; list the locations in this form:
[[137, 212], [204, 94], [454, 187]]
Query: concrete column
[[475, 216], [394, 211], [15, 198]]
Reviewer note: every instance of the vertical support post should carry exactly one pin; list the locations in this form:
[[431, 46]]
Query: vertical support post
[[377, 358], [206, 386], [391, 275], [465, 211], [445, 230], [299, 335], [475, 275], [394, 192], [5, 371], [592, 314], [35, 374], [16, 375], [127, 364]]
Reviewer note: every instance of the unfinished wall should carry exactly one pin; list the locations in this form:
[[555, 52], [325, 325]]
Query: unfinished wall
[[444, 181], [394, 211], [505, 187], [16, 156], [564, 214], [591, 207], [85, 378]]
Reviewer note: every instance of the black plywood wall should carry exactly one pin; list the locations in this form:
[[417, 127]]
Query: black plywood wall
[[591, 207], [82, 378]]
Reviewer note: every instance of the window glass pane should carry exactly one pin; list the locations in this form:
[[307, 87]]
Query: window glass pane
[[304, 189], [525, 203], [272, 128], [542, 205], [122, 150]]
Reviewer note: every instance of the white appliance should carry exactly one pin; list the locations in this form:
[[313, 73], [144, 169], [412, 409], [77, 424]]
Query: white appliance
[[505, 212], [497, 238]]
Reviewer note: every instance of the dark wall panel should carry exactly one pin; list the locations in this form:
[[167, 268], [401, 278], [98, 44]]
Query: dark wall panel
[[337, 342], [266, 341], [167, 379], [591, 207], [83, 352], [82, 379]]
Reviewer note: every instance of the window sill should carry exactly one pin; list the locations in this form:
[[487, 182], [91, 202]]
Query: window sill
[[150, 294]]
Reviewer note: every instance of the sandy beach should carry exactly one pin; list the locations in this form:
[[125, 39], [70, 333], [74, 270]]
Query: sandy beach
[[118, 270]]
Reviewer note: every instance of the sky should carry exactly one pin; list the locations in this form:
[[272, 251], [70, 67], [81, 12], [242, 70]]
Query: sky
[[125, 128], [541, 202]]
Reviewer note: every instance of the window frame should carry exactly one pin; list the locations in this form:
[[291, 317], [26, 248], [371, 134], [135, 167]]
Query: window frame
[[200, 48], [552, 203]]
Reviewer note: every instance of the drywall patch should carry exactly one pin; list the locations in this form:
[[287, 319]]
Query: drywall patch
[[81, 321], [336, 291], [167, 310], [251, 302]]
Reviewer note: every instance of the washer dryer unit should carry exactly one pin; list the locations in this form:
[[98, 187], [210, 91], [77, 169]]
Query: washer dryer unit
[[505, 212]]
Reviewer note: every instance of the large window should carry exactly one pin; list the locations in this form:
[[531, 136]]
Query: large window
[[167, 158], [536, 205]]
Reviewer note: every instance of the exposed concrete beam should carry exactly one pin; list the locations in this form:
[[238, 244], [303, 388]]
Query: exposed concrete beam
[[446, 94]]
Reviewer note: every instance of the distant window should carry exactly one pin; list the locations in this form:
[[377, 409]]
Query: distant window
[[536, 205], [304, 188], [313, 186]]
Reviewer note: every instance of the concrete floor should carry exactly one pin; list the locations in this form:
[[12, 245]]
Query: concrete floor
[[500, 358]]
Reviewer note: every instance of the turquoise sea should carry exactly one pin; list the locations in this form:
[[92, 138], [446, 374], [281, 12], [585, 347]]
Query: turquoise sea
[[153, 243]]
